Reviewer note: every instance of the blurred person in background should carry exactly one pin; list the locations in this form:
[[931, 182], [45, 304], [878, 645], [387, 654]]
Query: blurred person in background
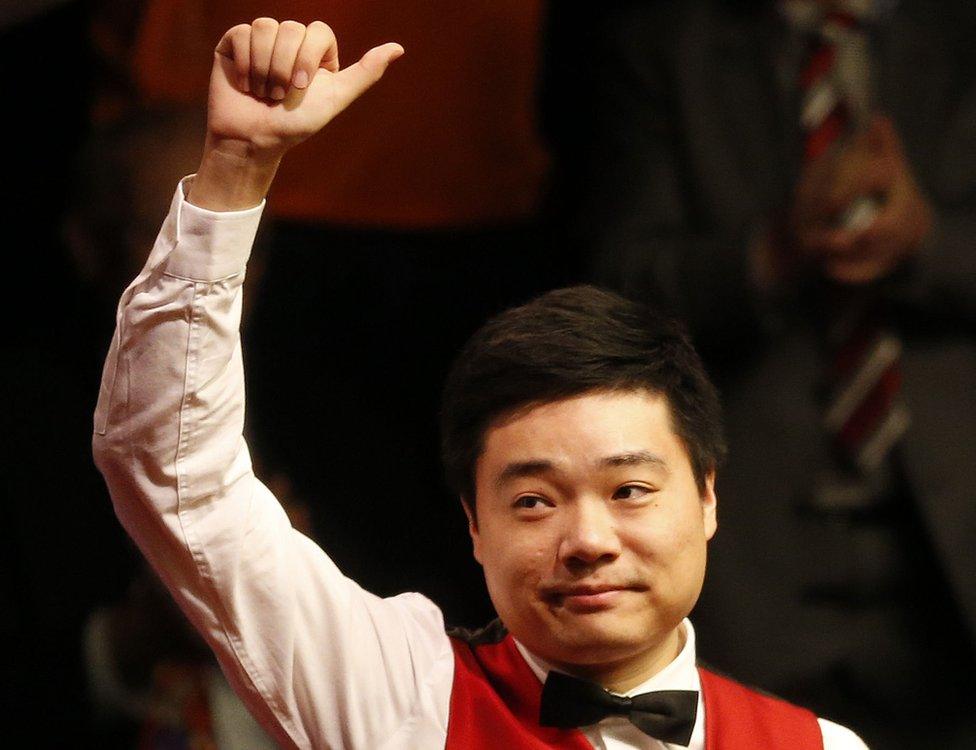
[[798, 181]]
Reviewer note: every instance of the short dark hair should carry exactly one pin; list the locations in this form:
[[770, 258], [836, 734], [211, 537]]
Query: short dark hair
[[566, 343]]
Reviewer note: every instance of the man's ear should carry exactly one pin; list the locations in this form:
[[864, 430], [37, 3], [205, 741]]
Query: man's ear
[[710, 506], [469, 511]]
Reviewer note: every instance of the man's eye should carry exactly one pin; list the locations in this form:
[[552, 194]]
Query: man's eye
[[631, 492], [529, 502]]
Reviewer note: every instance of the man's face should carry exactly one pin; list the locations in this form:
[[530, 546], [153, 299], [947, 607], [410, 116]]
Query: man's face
[[591, 529]]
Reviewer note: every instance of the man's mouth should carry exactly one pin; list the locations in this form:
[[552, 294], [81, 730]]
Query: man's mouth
[[588, 598]]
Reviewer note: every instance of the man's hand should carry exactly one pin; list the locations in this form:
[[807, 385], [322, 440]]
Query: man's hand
[[272, 86], [872, 168]]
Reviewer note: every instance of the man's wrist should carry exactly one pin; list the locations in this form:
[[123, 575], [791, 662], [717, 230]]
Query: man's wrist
[[233, 176]]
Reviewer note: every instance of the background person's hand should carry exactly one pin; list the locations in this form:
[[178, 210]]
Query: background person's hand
[[871, 168]]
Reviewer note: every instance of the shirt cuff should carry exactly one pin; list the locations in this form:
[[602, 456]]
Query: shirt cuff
[[210, 245]]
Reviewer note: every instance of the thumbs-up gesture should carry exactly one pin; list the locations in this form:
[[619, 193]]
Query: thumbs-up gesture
[[272, 86]]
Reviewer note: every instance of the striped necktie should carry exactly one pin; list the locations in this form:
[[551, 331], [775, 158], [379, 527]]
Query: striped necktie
[[864, 416]]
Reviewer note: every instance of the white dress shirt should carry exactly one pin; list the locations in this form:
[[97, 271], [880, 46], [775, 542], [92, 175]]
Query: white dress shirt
[[320, 662]]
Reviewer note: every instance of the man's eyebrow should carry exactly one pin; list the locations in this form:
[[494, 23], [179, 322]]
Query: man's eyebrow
[[531, 468], [636, 458], [537, 466]]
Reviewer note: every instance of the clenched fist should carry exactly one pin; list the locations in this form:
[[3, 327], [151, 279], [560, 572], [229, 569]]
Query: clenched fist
[[272, 86]]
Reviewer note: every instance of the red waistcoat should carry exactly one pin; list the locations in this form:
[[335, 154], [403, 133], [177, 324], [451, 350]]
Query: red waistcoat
[[496, 695]]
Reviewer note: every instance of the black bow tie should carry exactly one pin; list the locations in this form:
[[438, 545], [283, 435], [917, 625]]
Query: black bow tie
[[666, 715]]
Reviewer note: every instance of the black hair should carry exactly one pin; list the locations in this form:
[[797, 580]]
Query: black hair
[[566, 343]]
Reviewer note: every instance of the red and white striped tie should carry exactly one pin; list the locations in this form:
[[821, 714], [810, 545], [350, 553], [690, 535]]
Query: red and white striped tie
[[824, 113], [865, 415]]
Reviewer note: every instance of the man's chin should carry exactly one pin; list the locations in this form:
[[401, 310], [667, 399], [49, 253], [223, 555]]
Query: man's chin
[[598, 639]]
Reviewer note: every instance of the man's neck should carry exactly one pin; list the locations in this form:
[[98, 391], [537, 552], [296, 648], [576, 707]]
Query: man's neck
[[619, 677]]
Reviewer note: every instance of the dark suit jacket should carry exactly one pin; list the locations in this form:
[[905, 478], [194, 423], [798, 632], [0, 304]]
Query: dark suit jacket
[[675, 138]]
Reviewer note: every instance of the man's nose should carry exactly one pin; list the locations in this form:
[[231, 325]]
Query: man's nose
[[589, 534]]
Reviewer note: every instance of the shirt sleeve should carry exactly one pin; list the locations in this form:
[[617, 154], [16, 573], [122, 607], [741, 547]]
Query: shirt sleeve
[[836, 737], [319, 661]]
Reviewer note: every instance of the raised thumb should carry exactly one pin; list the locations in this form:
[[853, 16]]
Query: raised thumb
[[352, 81]]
